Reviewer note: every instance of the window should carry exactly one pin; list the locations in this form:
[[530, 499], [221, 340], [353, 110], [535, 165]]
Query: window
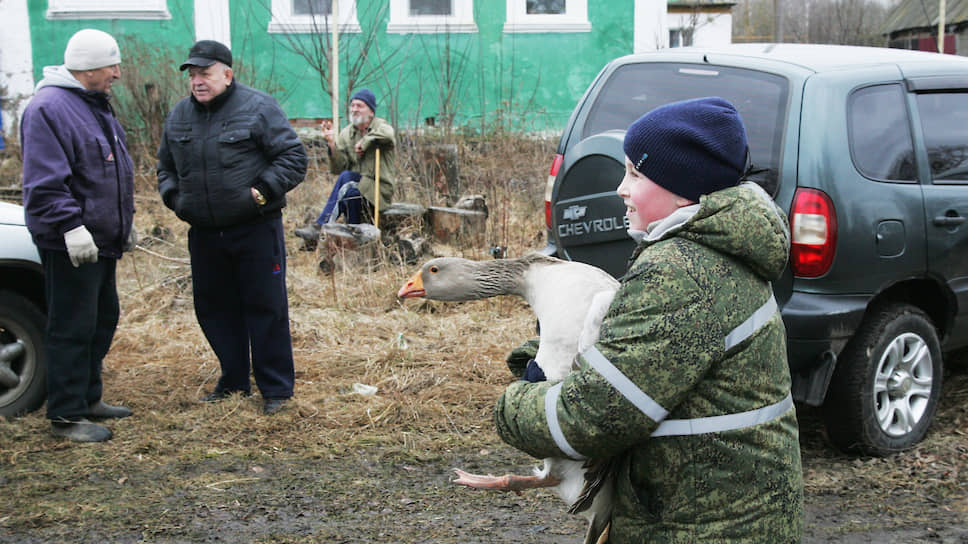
[[547, 16], [761, 98], [107, 9], [680, 37], [429, 16], [312, 7], [879, 134], [430, 7], [944, 117], [310, 16], [545, 7]]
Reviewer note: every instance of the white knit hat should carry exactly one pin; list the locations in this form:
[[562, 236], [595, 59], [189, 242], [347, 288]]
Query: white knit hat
[[89, 49]]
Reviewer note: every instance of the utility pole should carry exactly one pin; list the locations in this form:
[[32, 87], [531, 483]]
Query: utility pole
[[334, 63], [778, 21], [941, 16]]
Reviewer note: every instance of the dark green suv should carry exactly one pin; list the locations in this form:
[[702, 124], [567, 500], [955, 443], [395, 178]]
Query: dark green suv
[[866, 149]]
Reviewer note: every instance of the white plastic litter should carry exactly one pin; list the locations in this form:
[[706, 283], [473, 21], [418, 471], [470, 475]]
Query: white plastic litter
[[364, 389]]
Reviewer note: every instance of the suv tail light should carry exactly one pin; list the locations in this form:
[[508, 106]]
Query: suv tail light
[[813, 229], [552, 174]]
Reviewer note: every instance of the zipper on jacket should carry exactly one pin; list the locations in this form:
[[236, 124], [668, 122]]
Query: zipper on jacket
[[202, 150]]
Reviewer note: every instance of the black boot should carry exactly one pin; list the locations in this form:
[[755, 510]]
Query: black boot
[[80, 430], [310, 235], [222, 394], [271, 406], [103, 410]]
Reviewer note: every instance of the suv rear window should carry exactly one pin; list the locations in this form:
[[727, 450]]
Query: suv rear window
[[760, 98], [944, 117], [880, 140]]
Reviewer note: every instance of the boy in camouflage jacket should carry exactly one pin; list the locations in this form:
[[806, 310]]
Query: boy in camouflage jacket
[[687, 390]]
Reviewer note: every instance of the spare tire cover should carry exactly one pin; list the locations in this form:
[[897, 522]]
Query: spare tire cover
[[588, 218]]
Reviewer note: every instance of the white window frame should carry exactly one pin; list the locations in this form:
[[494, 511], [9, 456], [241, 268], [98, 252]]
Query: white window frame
[[284, 21], [460, 21], [107, 9], [575, 18], [682, 33]]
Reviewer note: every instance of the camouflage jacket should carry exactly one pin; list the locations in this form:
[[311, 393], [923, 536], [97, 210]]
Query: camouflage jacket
[[693, 333], [379, 135]]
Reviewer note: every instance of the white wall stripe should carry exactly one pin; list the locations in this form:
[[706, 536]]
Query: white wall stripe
[[212, 21]]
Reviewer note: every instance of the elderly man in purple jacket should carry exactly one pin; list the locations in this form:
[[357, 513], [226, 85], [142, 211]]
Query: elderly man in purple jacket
[[79, 206]]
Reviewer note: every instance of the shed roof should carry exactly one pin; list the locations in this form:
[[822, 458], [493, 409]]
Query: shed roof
[[913, 14]]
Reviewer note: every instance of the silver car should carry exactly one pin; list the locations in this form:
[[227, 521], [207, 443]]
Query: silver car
[[23, 362]]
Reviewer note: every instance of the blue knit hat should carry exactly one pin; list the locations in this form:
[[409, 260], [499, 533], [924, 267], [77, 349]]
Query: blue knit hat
[[367, 96], [692, 148]]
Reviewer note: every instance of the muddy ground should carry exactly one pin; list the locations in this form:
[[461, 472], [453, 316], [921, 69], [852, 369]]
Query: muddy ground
[[390, 493]]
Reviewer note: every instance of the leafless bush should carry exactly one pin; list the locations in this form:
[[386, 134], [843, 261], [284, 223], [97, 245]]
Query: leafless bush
[[150, 85]]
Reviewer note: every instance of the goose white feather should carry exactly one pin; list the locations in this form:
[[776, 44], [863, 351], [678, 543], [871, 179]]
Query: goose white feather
[[570, 300]]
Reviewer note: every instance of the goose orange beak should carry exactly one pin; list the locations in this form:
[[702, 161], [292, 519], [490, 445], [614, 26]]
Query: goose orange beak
[[413, 288]]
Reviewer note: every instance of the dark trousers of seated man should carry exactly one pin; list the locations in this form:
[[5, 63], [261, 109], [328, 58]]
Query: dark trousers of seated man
[[239, 285], [345, 200], [82, 314]]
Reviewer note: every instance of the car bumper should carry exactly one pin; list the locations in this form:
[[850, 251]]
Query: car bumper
[[818, 325], [550, 249]]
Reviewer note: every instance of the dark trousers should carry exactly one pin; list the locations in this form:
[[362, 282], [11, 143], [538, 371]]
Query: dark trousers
[[239, 285], [345, 199], [82, 314]]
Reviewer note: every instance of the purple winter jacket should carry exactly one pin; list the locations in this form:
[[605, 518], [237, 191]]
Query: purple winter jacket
[[77, 170]]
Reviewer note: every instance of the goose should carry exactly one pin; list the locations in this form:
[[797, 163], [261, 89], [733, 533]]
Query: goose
[[570, 300]]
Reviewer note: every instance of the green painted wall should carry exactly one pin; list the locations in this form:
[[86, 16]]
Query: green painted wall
[[49, 38], [482, 79], [525, 81]]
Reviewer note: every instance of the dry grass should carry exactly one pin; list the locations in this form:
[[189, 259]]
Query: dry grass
[[437, 366], [433, 375]]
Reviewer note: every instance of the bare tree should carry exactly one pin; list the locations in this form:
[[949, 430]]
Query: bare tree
[[448, 62], [361, 59], [753, 21], [847, 22]]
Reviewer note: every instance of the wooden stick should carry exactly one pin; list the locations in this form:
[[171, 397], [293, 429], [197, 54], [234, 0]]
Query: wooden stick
[[334, 64], [376, 195]]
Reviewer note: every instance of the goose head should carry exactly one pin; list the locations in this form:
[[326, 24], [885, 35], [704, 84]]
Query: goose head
[[457, 279]]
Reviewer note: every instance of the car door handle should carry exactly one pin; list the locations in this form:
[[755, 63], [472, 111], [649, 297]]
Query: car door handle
[[948, 221]]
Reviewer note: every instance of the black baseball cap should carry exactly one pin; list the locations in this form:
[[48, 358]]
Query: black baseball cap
[[207, 53]]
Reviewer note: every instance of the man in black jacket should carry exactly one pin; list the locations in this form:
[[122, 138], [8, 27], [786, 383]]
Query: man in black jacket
[[228, 156]]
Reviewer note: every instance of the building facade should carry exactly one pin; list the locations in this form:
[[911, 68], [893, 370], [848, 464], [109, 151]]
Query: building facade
[[914, 25]]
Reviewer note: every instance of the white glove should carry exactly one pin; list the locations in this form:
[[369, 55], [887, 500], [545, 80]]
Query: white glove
[[80, 246]]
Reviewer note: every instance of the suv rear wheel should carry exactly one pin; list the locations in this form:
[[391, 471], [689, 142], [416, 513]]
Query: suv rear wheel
[[23, 364], [886, 386]]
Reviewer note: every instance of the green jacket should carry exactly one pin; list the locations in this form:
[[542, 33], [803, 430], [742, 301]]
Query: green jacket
[[690, 334], [379, 135]]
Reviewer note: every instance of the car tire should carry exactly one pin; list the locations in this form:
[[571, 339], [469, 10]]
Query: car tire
[[887, 383], [21, 322]]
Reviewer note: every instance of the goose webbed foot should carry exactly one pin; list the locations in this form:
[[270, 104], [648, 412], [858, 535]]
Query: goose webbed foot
[[508, 482]]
